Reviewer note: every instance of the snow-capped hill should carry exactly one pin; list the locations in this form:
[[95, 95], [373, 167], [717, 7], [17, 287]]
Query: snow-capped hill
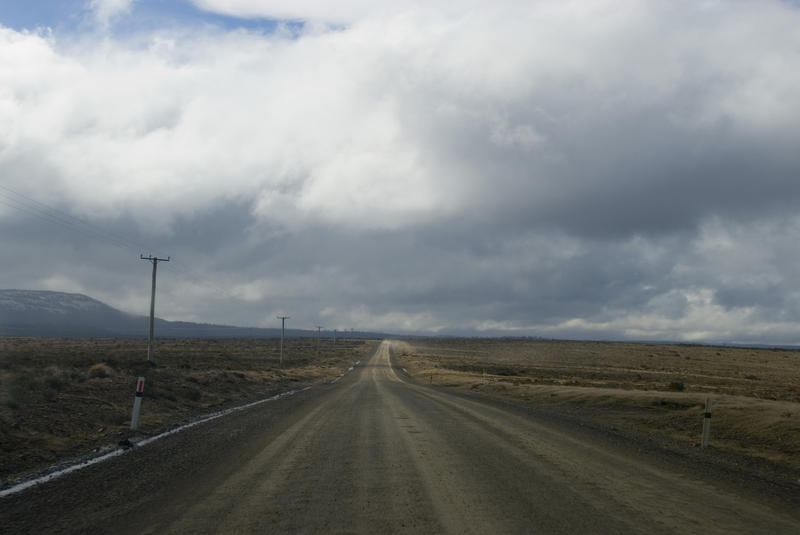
[[59, 314], [45, 313], [48, 302]]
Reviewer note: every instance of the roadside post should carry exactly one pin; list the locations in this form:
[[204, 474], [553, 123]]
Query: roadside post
[[706, 424], [137, 403]]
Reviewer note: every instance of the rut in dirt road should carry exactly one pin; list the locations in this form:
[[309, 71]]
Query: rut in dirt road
[[375, 453]]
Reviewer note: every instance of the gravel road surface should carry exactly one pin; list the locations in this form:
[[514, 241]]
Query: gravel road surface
[[375, 453]]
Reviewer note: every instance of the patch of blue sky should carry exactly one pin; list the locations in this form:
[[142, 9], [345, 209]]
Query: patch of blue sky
[[56, 14], [74, 16]]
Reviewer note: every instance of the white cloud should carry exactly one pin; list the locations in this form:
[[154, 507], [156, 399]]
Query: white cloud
[[362, 318], [106, 11], [61, 284], [498, 126], [395, 120], [704, 321], [340, 12]]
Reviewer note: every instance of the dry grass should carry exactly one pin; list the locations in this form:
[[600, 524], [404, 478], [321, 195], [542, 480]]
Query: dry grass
[[62, 398], [650, 388]]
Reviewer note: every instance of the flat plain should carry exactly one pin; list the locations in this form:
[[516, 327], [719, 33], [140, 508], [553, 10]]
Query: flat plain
[[61, 399], [381, 452], [657, 390]]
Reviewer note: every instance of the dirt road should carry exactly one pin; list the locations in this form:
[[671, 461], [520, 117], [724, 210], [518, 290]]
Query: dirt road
[[375, 453]]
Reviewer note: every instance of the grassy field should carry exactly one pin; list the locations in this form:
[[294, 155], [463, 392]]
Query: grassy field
[[61, 398], [655, 389]]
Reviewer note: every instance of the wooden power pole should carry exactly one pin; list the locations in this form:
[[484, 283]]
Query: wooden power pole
[[155, 262], [283, 324]]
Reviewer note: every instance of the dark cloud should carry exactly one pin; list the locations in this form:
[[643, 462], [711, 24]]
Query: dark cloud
[[631, 175]]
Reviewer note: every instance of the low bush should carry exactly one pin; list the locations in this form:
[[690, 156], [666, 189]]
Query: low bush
[[677, 386], [100, 371]]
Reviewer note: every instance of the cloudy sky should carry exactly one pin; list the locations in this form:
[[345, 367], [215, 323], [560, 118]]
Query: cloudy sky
[[609, 169]]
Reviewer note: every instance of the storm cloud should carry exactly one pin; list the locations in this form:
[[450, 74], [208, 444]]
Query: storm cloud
[[570, 169]]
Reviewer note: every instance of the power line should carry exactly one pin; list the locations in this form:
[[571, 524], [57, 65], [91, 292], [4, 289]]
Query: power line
[[65, 218], [62, 219], [192, 274], [50, 214]]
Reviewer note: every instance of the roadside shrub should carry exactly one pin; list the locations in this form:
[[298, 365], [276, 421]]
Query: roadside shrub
[[100, 371], [55, 383], [55, 378], [677, 386]]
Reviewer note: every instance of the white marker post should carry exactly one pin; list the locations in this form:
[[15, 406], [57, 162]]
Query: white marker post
[[706, 424], [137, 403]]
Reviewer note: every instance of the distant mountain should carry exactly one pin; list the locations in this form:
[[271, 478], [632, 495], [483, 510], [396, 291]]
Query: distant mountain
[[59, 314], [40, 313]]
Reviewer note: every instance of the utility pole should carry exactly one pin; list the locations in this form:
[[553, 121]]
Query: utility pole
[[155, 262], [283, 324], [334, 337], [319, 328]]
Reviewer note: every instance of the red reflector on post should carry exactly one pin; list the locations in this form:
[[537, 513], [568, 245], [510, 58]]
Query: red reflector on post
[[137, 403]]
